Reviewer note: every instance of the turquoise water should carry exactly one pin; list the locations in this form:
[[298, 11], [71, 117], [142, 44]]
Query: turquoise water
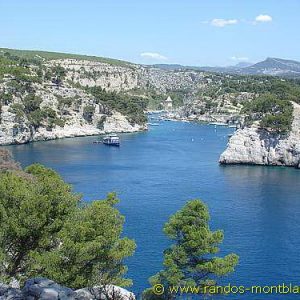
[[156, 172]]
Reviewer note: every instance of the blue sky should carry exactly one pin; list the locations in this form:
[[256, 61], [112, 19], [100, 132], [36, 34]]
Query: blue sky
[[190, 32]]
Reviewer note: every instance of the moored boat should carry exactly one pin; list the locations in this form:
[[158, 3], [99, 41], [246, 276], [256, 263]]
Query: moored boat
[[153, 124], [111, 140]]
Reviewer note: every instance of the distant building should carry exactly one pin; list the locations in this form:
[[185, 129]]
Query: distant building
[[168, 103]]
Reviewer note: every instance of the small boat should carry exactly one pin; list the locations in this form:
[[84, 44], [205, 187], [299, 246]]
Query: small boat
[[111, 140], [153, 124], [218, 124]]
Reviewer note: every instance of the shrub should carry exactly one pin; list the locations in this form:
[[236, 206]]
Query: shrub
[[88, 112]]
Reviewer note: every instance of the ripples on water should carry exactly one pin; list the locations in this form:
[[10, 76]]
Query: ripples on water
[[155, 172]]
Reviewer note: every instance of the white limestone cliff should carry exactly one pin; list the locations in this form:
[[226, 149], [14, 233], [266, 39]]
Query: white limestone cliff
[[260, 147]]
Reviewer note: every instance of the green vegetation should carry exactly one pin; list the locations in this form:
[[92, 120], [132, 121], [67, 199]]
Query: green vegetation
[[36, 116], [178, 97], [100, 124], [271, 105], [156, 99], [132, 107], [56, 74], [40, 55], [64, 102], [46, 231], [190, 260], [274, 114], [88, 112], [16, 67]]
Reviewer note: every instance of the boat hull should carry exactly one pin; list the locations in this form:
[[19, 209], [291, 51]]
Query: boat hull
[[111, 144]]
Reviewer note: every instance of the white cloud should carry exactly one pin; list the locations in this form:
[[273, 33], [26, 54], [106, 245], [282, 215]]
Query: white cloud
[[263, 19], [223, 22], [153, 55], [239, 58]]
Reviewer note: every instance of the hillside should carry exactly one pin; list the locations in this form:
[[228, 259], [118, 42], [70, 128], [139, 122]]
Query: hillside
[[39, 101], [46, 55], [275, 67], [47, 95]]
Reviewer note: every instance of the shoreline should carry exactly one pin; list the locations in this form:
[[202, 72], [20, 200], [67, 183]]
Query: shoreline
[[100, 133]]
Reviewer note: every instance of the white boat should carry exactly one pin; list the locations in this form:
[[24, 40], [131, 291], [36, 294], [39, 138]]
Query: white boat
[[218, 124], [153, 124], [111, 140]]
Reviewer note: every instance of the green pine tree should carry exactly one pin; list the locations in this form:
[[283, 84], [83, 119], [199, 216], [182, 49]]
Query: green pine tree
[[190, 260]]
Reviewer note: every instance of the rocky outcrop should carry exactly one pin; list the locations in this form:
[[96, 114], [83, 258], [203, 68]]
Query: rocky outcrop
[[7, 162], [45, 289], [92, 73], [260, 147], [69, 104]]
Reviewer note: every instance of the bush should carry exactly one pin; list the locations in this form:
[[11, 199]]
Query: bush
[[62, 102], [88, 112], [18, 110], [31, 102], [100, 124]]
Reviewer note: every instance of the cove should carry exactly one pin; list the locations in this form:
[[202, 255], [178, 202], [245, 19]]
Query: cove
[[156, 172]]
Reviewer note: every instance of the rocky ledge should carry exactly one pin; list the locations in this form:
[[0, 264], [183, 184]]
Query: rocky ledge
[[259, 147], [45, 289]]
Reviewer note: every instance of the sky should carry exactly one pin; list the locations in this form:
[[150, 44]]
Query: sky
[[188, 32]]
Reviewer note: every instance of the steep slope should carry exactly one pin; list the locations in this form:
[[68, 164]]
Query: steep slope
[[47, 95], [260, 147], [39, 101]]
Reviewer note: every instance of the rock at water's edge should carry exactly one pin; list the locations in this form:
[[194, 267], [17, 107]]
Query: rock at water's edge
[[45, 289], [260, 147]]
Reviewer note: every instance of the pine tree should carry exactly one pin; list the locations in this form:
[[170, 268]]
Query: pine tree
[[190, 260]]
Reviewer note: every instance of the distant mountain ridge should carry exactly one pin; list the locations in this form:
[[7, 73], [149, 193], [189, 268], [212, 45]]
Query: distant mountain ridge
[[275, 66], [270, 66]]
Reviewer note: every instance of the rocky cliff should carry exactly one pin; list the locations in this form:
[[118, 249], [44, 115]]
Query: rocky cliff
[[42, 98], [38, 103], [62, 113], [261, 147]]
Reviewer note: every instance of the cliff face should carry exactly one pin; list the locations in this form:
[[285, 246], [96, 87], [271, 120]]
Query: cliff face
[[68, 105], [88, 73], [127, 77], [50, 99], [260, 147]]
